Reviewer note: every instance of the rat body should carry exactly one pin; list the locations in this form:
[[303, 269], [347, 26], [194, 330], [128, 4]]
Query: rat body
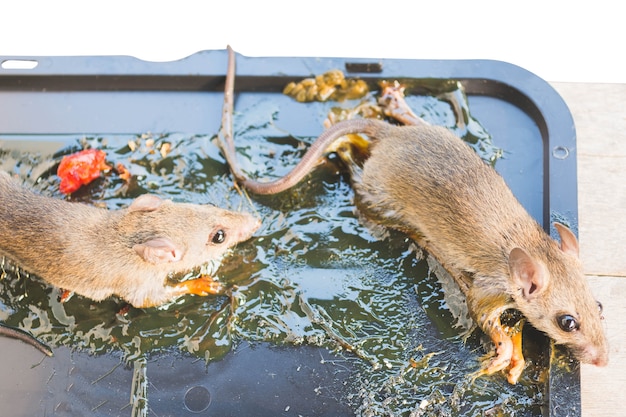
[[426, 182], [129, 252]]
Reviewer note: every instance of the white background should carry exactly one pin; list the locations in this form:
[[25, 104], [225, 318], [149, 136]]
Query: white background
[[557, 40]]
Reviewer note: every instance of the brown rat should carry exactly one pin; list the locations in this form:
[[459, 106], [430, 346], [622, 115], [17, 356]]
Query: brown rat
[[426, 182], [129, 252]]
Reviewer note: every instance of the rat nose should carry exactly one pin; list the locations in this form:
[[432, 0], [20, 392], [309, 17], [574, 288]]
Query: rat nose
[[597, 357], [250, 225], [602, 360]]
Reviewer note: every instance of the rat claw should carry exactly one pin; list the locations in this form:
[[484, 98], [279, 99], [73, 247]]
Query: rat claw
[[515, 371], [504, 352], [493, 364]]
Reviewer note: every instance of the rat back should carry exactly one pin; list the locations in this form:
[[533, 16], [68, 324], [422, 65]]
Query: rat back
[[425, 180], [34, 228]]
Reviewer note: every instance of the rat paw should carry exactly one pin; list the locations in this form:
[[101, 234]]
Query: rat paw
[[202, 286], [517, 359], [65, 296], [492, 364], [500, 361], [508, 355]]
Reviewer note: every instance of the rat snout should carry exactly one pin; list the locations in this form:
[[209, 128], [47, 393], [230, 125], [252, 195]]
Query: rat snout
[[594, 356], [601, 359], [248, 226], [255, 223]]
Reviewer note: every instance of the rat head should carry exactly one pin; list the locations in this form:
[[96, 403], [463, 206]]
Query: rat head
[[182, 236], [556, 299]]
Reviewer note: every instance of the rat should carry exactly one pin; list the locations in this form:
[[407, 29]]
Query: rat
[[131, 253], [426, 182]]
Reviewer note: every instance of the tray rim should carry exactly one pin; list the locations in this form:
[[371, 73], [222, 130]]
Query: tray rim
[[204, 71]]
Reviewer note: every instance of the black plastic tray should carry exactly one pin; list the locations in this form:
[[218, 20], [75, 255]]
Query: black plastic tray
[[117, 94]]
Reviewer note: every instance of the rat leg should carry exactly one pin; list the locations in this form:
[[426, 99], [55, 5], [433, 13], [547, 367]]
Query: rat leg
[[508, 343], [503, 343], [502, 358], [517, 358], [506, 339], [395, 106], [490, 323], [200, 286]]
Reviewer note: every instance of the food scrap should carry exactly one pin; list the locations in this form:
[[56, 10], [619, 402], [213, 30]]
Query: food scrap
[[123, 172], [146, 143], [165, 149], [80, 168], [331, 85]]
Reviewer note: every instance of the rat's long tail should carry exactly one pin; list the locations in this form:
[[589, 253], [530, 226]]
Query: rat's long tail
[[309, 161], [25, 337]]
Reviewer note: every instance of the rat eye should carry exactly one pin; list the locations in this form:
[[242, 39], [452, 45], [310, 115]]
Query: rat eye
[[218, 237], [567, 323], [600, 309]]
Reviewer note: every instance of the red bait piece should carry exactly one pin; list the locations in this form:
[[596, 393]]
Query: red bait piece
[[80, 168]]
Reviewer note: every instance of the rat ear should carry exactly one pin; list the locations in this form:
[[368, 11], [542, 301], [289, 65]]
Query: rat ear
[[569, 244], [145, 202], [526, 273], [159, 250]]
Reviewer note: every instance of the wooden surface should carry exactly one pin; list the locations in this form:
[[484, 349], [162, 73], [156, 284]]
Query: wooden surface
[[599, 112]]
